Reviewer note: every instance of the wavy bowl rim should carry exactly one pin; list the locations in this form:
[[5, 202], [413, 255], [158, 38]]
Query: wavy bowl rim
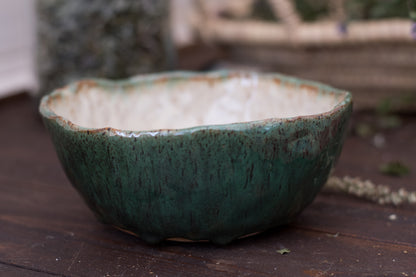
[[47, 113]]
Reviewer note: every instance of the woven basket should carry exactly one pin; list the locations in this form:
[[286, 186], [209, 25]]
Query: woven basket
[[375, 60], [374, 73]]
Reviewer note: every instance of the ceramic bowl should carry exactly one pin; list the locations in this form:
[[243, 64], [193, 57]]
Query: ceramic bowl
[[200, 156]]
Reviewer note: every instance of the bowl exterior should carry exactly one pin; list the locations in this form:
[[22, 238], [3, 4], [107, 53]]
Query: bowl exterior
[[213, 183]]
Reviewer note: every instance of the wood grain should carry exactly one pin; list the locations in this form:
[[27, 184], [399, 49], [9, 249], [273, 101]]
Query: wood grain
[[47, 230]]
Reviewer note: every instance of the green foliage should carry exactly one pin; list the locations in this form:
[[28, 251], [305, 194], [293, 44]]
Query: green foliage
[[311, 10], [262, 10], [389, 122], [384, 106], [99, 38], [372, 9], [395, 168], [364, 130]]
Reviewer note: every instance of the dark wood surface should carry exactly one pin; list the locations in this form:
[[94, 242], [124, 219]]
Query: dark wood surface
[[47, 230]]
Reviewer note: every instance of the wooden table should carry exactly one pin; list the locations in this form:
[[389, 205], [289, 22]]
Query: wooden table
[[47, 230]]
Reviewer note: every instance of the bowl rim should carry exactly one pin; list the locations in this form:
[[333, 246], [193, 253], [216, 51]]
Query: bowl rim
[[47, 113]]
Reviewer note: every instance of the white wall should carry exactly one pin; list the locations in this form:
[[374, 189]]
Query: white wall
[[17, 47]]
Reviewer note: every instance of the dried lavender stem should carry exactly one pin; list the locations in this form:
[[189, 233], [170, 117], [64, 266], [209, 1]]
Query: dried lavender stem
[[380, 194]]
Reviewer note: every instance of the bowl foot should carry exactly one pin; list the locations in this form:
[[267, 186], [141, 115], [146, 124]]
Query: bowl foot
[[154, 239]]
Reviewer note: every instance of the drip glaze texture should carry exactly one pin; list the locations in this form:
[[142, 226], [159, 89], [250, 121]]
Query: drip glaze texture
[[211, 182]]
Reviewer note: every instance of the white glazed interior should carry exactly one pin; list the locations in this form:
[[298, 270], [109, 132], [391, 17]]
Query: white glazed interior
[[182, 104]]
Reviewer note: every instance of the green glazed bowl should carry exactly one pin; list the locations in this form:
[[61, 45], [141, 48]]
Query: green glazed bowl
[[199, 156]]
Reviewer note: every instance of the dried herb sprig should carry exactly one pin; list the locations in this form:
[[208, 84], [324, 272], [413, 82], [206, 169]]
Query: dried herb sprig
[[380, 194]]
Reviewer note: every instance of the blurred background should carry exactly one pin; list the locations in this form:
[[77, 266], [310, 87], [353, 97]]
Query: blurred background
[[364, 46]]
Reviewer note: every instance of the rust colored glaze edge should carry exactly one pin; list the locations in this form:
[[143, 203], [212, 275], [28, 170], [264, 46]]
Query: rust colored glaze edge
[[216, 76], [216, 182]]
